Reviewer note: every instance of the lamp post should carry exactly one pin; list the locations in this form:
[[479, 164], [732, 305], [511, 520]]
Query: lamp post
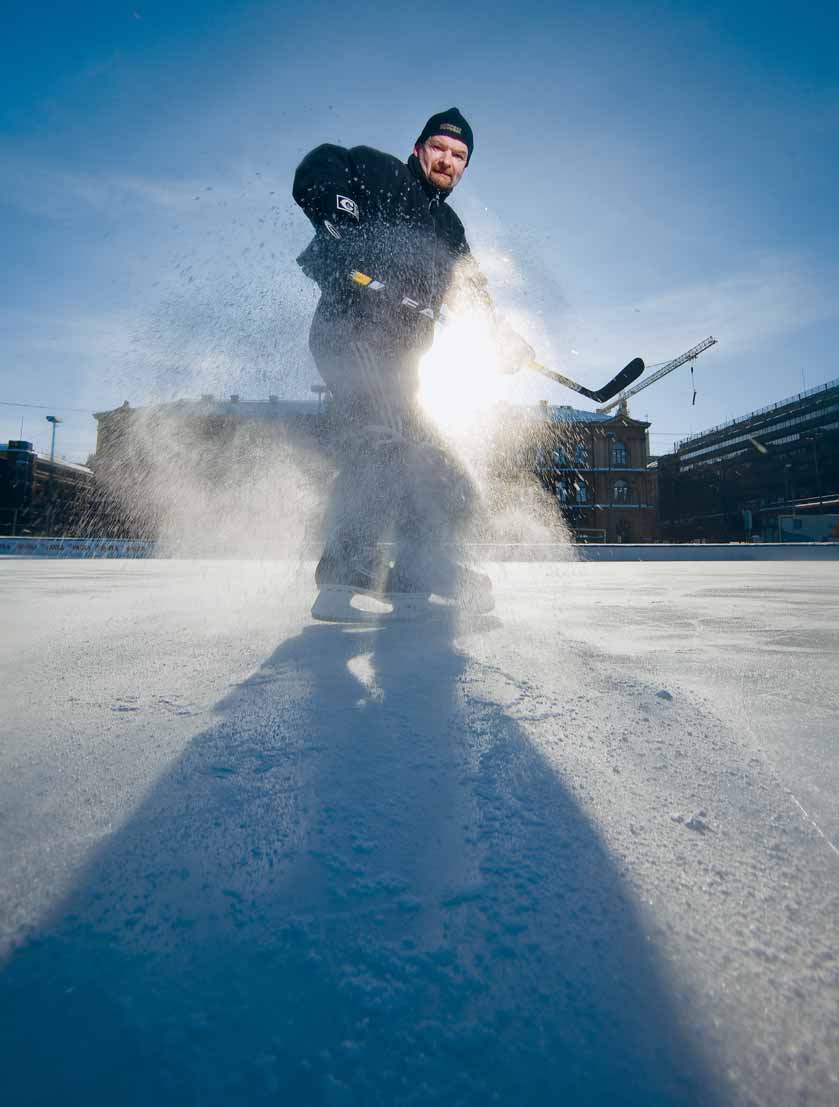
[[320, 391], [55, 421]]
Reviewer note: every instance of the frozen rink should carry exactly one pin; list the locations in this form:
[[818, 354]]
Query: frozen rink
[[582, 851]]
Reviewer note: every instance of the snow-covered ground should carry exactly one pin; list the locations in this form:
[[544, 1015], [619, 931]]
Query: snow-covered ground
[[581, 851]]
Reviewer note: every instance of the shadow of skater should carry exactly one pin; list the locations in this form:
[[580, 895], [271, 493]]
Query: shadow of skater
[[361, 885]]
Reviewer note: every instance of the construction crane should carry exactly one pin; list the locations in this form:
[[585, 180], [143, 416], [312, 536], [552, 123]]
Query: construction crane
[[668, 367]]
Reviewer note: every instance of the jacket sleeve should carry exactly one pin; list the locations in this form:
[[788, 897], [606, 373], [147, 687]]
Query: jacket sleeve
[[326, 186], [514, 352], [470, 283]]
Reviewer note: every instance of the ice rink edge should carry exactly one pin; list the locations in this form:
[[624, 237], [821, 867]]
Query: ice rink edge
[[15, 548]]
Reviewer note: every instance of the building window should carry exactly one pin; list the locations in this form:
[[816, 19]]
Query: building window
[[621, 492], [560, 458], [580, 455], [581, 492], [620, 455], [563, 492]]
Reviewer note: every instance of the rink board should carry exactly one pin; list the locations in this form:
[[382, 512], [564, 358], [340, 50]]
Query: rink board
[[531, 551]]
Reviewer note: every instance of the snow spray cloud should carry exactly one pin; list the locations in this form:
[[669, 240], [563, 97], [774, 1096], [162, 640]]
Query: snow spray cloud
[[207, 481], [501, 444], [230, 308], [227, 315], [232, 317]]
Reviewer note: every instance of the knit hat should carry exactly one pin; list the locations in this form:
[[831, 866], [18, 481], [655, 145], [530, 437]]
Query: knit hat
[[452, 124]]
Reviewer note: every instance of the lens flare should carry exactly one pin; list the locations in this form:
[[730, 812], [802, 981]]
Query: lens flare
[[459, 375]]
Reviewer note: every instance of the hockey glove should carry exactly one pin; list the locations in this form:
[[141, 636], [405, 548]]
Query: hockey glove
[[332, 252]]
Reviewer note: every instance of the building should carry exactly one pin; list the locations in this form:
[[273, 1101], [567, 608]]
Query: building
[[201, 461], [216, 421], [40, 496], [737, 480], [597, 466]]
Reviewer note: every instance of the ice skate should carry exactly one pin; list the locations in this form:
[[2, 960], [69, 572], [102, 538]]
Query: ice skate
[[337, 603], [460, 587], [473, 592], [447, 583], [364, 586]]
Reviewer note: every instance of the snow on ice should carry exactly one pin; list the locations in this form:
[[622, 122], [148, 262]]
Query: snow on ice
[[580, 851]]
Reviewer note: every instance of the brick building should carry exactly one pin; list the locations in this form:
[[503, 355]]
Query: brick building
[[595, 466], [227, 455], [598, 468]]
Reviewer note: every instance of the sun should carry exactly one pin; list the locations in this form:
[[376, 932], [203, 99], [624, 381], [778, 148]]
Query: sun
[[458, 375]]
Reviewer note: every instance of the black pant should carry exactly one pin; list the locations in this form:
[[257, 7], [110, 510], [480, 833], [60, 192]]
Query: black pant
[[398, 481]]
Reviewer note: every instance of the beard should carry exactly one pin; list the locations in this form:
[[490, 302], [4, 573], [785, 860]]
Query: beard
[[440, 178]]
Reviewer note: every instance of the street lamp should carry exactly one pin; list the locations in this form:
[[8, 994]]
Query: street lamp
[[55, 421], [320, 391]]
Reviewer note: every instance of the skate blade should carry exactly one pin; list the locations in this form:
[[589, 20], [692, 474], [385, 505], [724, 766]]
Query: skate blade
[[339, 604], [466, 601], [476, 605]]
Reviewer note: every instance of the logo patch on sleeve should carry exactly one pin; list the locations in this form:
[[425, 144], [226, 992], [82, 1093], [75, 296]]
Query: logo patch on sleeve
[[344, 203]]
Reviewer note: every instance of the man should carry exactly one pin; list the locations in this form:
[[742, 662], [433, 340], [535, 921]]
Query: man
[[387, 252]]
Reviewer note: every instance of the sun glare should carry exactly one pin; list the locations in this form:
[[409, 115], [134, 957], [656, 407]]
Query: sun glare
[[458, 375]]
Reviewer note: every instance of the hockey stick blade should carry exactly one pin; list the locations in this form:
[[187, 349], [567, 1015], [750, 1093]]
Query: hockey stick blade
[[624, 378]]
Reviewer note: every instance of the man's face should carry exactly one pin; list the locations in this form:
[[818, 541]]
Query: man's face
[[443, 160]]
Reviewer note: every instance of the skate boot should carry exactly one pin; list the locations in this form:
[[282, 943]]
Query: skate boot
[[466, 588], [457, 585], [362, 585]]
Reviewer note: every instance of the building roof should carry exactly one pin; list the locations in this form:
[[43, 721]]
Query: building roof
[[273, 407], [564, 413], [57, 462], [209, 405]]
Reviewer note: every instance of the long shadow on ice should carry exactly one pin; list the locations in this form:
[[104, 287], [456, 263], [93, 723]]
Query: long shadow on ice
[[362, 885]]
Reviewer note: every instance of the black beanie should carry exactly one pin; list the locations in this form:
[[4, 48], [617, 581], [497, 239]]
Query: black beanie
[[452, 124]]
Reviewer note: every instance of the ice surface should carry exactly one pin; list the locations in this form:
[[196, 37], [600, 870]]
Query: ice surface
[[580, 851]]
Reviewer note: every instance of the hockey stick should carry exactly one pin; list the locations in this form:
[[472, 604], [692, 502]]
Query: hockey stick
[[623, 379], [618, 383]]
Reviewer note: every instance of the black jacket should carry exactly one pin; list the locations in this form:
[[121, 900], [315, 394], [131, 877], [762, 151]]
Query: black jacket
[[374, 213]]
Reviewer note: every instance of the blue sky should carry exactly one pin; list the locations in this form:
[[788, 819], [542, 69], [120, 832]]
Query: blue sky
[[644, 175]]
